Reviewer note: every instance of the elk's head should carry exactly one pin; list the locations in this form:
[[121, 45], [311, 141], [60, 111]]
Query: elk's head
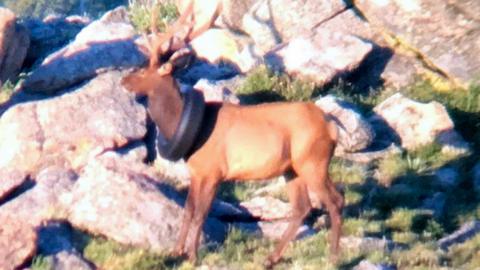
[[166, 51]]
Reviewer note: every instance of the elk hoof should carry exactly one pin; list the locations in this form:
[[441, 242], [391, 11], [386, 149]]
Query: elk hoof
[[271, 261], [177, 252], [192, 257], [334, 258]]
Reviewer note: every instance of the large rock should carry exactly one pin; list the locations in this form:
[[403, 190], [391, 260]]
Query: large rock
[[417, 123], [21, 217], [233, 12], [10, 180], [40, 203], [215, 91], [56, 244], [355, 132], [122, 201], [367, 265], [273, 230], [14, 42], [267, 208], [320, 57], [68, 129], [220, 45], [272, 22], [443, 31], [17, 243], [65, 260], [103, 45], [50, 35]]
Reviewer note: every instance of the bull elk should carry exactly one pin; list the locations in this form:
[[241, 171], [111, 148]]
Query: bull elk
[[240, 143]]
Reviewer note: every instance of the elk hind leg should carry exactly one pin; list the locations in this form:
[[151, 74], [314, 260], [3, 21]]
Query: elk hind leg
[[321, 186], [298, 196]]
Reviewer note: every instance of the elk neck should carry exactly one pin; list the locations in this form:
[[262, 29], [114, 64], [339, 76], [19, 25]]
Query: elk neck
[[165, 106]]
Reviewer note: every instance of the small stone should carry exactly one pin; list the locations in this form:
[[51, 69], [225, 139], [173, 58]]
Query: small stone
[[465, 232]]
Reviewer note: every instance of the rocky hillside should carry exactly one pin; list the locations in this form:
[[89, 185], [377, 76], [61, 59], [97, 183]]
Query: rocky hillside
[[81, 185]]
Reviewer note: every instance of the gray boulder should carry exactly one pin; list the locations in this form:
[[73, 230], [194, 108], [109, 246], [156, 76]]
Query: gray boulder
[[10, 180], [416, 123], [17, 243], [270, 23], [267, 208], [55, 243], [65, 260], [446, 36], [366, 265], [214, 91], [122, 201], [21, 217], [68, 129], [103, 45], [14, 43], [50, 35], [321, 57], [355, 132]]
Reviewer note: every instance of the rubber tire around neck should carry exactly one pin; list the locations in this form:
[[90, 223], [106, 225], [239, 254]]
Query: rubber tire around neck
[[187, 129]]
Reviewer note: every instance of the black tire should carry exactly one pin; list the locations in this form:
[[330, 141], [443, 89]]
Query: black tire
[[187, 130]]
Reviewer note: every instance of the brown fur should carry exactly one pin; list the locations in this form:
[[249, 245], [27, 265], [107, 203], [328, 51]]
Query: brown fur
[[249, 143]]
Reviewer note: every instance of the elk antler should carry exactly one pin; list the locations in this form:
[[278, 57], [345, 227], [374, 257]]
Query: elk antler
[[156, 46], [178, 34]]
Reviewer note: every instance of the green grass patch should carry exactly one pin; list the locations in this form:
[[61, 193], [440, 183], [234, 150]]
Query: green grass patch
[[140, 15], [6, 91], [361, 227], [241, 250], [465, 255], [239, 191], [263, 85], [41, 263], [390, 168], [420, 256], [347, 172], [108, 254]]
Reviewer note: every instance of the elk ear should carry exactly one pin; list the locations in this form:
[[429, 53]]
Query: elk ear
[[182, 58], [165, 69]]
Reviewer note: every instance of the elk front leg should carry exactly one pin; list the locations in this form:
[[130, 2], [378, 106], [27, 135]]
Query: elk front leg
[[187, 219], [203, 192], [298, 196]]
